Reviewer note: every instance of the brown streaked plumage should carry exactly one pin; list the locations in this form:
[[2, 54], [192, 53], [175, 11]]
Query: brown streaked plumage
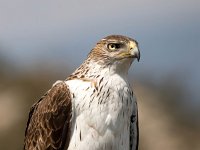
[[48, 126]]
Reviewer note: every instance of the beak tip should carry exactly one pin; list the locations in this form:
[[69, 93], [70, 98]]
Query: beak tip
[[138, 56]]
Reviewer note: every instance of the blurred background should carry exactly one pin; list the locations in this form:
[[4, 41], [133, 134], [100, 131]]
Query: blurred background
[[43, 41]]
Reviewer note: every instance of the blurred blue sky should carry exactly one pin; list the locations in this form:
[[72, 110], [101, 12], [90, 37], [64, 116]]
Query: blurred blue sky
[[64, 31]]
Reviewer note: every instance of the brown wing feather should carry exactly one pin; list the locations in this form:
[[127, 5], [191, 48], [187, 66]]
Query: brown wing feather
[[48, 126], [134, 129]]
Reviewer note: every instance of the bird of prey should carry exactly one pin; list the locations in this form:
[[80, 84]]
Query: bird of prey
[[94, 108]]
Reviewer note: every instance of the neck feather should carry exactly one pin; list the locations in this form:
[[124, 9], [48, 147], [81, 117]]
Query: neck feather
[[93, 69]]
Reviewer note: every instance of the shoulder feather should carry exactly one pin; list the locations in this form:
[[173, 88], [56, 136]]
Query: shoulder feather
[[49, 122]]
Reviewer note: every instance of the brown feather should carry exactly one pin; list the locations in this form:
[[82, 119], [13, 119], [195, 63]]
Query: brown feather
[[48, 126]]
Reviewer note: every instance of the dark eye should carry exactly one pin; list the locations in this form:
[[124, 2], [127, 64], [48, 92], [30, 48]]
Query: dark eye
[[114, 46]]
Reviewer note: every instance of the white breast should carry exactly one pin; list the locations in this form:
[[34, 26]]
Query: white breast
[[101, 115]]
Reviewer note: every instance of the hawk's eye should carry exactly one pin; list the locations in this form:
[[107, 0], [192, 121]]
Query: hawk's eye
[[114, 46]]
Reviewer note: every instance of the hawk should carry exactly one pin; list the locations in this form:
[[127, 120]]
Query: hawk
[[94, 108]]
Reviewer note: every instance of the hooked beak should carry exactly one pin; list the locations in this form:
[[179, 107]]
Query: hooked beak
[[134, 50]]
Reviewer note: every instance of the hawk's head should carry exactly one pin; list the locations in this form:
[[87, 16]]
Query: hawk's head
[[114, 53], [115, 49]]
